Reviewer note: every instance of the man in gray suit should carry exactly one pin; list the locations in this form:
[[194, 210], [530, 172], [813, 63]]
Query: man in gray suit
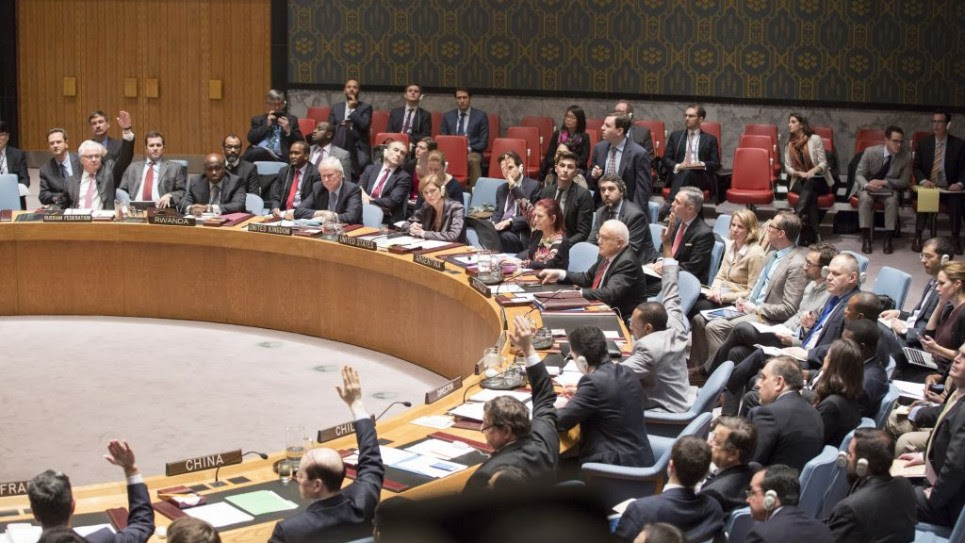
[[883, 172], [95, 185], [155, 179], [777, 293], [322, 147]]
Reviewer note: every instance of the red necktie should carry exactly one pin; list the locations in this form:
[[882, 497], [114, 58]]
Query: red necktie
[[148, 183], [377, 191], [680, 237], [89, 198], [600, 270], [408, 118], [289, 203]]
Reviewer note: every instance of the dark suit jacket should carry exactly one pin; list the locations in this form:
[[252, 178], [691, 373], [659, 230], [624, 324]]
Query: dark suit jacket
[[280, 187], [453, 221], [582, 151], [880, 510], [789, 525], [537, 454], [927, 305], [348, 207], [698, 516], [623, 286], [789, 431], [260, 128], [526, 189], [634, 168], [832, 329], [248, 174], [638, 223], [641, 135], [477, 129], [140, 519], [947, 456], [420, 125], [353, 506], [578, 215], [113, 147], [694, 251], [607, 408], [232, 195], [107, 177], [559, 262], [729, 485], [839, 415], [173, 178], [954, 159], [53, 186], [395, 192], [875, 385], [707, 150], [358, 142]]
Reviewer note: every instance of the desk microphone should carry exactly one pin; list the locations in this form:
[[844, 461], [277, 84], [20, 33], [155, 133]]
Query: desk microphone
[[261, 454], [407, 404]]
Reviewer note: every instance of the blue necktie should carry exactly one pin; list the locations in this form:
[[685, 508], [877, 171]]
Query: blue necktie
[[819, 324], [762, 278]]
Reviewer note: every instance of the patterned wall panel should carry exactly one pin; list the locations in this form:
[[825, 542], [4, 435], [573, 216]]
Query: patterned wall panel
[[856, 51]]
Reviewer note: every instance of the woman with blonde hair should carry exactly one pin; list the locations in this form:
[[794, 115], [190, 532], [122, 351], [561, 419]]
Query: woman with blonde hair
[[439, 218]]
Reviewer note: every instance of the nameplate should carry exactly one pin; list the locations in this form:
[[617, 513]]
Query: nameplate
[[13, 488], [68, 218], [356, 242], [437, 394], [429, 262], [270, 229], [170, 220], [480, 287], [201, 463]]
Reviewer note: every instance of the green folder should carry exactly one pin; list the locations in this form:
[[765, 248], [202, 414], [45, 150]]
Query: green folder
[[261, 502]]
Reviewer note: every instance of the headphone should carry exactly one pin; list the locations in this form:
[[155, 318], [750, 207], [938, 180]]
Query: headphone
[[582, 364], [770, 500], [860, 467], [945, 258]]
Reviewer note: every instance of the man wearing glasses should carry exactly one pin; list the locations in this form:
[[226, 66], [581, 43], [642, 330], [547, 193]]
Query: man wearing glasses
[[883, 172], [940, 162], [95, 185]]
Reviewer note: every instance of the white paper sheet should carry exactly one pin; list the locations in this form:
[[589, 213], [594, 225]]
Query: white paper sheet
[[87, 530], [219, 514], [909, 389], [489, 394], [469, 410], [22, 532], [438, 422], [778, 329], [431, 466], [439, 448]]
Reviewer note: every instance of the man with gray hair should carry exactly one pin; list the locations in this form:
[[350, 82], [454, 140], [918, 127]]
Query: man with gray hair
[[272, 133], [333, 197], [95, 185], [690, 238], [616, 278], [613, 191]]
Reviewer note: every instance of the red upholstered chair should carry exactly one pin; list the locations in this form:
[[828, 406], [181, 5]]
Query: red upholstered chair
[[594, 135], [658, 133], [861, 144], [318, 113], [397, 136], [436, 123], [595, 123], [306, 125], [545, 126], [493, 134], [769, 130], [751, 182], [533, 157], [500, 146], [826, 133], [870, 133], [714, 129], [457, 156], [757, 141], [380, 124]]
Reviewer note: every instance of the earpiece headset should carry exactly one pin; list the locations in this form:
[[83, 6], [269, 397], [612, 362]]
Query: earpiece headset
[[770, 500], [582, 364], [945, 258], [860, 467]]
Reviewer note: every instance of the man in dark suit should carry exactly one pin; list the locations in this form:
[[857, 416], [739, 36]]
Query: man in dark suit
[[616, 206], [789, 428], [941, 500], [293, 182], [883, 173], [352, 120], [338, 514], [52, 502], [55, 172], [94, 185], [691, 155], [272, 133], [638, 133], [617, 154], [333, 196], [879, 507], [606, 404], [940, 162], [773, 498], [875, 349], [243, 169], [155, 179], [576, 202], [100, 128], [13, 161], [388, 185], [512, 200], [698, 515], [469, 122], [691, 240], [215, 190], [322, 148], [411, 119], [732, 443], [616, 278], [531, 448]]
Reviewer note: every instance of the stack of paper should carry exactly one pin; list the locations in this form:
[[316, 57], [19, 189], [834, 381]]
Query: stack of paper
[[438, 448], [21, 532], [219, 514], [261, 502]]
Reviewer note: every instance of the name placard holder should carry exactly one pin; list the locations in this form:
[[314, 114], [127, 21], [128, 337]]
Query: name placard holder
[[201, 463], [13, 488], [68, 218], [429, 262], [480, 287], [171, 220], [270, 229], [439, 393], [357, 242]]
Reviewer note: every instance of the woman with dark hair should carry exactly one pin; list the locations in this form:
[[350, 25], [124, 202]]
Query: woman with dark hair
[[573, 134], [548, 246], [837, 390], [806, 166]]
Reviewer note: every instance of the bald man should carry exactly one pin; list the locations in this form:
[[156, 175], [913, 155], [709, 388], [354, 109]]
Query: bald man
[[336, 514], [216, 190]]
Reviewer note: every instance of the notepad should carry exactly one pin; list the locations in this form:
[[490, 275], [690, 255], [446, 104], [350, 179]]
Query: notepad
[[261, 502], [219, 514]]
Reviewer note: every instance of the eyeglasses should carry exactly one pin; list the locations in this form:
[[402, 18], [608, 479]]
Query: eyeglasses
[[751, 492], [812, 264], [91, 158], [897, 142], [771, 225]]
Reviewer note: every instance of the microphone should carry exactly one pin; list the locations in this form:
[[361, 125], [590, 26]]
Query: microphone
[[218, 469], [407, 404]]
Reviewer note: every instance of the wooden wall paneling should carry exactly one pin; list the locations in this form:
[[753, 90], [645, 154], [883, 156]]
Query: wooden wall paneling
[[8, 287]]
